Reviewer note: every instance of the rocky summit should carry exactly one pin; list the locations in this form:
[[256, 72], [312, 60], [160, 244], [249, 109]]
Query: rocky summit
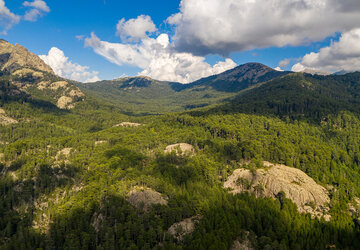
[[32, 79]]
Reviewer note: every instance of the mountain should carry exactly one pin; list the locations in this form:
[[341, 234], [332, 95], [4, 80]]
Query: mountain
[[145, 95], [23, 74], [299, 96], [13, 58], [241, 77]]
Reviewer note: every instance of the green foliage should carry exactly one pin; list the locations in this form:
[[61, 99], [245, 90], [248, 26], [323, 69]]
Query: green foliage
[[80, 200]]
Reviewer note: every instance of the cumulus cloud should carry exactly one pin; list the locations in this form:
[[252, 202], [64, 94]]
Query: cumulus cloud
[[135, 29], [341, 55], [61, 65], [218, 26], [157, 59], [7, 18], [38, 8]]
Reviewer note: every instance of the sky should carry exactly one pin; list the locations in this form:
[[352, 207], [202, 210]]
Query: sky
[[173, 40]]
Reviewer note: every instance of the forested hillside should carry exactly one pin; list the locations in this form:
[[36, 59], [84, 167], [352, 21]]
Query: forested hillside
[[141, 95], [299, 96], [94, 176]]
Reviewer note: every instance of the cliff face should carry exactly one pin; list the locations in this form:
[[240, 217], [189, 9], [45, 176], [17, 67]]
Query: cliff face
[[309, 196]]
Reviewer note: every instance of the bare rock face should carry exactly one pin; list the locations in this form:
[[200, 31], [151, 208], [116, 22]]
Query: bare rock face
[[65, 102], [180, 149], [182, 228], [297, 186], [57, 85], [17, 57], [143, 198]]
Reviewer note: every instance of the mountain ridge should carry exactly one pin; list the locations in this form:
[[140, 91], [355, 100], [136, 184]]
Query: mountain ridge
[[27, 76]]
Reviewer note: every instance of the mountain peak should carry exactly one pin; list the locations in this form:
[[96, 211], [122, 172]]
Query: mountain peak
[[241, 77], [16, 57]]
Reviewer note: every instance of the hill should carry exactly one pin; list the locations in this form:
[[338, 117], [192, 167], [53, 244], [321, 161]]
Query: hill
[[299, 96], [142, 94]]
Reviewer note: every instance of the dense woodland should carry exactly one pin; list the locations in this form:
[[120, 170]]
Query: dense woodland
[[52, 203]]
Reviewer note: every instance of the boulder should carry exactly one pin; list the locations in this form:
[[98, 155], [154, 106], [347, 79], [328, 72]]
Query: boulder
[[143, 198], [309, 196], [180, 149], [182, 228]]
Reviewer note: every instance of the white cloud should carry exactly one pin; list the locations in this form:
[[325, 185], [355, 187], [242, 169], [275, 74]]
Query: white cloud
[[61, 65], [218, 26], [135, 29], [38, 8], [157, 59], [341, 55], [284, 63], [37, 4], [7, 18]]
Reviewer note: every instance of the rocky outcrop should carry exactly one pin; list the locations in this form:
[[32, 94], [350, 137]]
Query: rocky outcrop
[[354, 207], [29, 74], [180, 149], [62, 156], [180, 229], [65, 102], [6, 120], [274, 179], [143, 198], [57, 85], [242, 243], [96, 143], [17, 57], [128, 124]]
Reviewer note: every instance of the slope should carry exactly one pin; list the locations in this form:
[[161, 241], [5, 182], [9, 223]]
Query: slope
[[142, 94], [299, 96]]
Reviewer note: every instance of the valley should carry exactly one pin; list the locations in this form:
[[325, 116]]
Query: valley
[[250, 157]]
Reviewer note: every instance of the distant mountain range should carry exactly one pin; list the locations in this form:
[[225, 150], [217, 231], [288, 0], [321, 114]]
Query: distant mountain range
[[143, 94], [249, 88]]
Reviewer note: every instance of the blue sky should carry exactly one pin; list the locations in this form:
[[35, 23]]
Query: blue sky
[[204, 29]]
